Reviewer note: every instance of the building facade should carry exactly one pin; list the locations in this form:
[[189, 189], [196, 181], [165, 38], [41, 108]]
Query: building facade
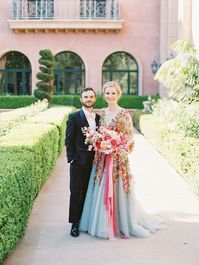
[[93, 41]]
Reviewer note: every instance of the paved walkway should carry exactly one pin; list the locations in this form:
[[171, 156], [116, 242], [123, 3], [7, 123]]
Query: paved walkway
[[160, 190]]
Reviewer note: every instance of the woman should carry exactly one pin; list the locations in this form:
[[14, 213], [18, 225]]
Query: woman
[[116, 214]]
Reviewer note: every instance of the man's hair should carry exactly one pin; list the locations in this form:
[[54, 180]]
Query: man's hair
[[87, 89]]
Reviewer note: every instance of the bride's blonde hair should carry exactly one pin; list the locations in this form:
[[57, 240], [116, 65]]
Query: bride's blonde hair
[[113, 84]]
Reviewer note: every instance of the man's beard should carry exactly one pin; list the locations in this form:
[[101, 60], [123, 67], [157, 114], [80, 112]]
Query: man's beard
[[88, 106]]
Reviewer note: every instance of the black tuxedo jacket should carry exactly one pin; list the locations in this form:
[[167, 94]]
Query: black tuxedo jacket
[[76, 149]]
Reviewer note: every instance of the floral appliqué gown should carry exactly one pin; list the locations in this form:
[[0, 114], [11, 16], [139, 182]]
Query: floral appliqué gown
[[123, 216]]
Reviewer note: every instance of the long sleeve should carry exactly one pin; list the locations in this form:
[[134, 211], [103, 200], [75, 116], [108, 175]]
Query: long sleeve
[[129, 127], [126, 126], [70, 138]]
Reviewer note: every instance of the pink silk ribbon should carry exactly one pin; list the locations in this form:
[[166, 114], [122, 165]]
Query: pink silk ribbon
[[109, 197]]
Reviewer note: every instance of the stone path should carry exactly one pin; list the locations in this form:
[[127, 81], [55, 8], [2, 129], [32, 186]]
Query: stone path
[[159, 189]]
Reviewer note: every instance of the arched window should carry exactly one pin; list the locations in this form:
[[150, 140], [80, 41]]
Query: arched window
[[15, 74], [69, 73], [122, 67]]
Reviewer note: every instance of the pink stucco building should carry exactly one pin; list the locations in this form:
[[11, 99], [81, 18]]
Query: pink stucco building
[[93, 41]]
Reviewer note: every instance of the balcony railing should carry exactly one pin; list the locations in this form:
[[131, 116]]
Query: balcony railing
[[65, 9], [65, 15]]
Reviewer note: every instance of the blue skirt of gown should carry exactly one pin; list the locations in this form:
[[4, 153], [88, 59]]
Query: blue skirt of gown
[[131, 218]]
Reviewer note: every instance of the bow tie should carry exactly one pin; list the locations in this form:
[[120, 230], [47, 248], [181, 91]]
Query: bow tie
[[90, 115]]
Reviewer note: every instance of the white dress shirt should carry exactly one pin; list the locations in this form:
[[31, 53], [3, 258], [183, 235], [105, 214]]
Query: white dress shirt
[[90, 116]]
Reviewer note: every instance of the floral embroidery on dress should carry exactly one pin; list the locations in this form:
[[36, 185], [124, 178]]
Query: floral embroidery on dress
[[121, 169]]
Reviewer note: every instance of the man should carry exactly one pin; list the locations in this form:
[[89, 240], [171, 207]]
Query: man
[[79, 157]]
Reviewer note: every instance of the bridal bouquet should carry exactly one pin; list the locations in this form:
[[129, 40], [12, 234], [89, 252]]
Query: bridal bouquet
[[106, 141]]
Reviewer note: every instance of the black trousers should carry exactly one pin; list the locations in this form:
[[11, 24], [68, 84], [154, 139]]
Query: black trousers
[[79, 178]]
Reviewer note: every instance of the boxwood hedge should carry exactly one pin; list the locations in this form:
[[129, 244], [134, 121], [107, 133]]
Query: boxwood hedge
[[126, 101], [28, 152]]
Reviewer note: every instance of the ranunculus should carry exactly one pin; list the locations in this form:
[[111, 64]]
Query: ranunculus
[[114, 143], [98, 144], [108, 144], [106, 141], [103, 145]]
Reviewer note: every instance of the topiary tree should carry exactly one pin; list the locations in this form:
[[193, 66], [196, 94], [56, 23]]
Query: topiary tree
[[46, 76], [181, 73]]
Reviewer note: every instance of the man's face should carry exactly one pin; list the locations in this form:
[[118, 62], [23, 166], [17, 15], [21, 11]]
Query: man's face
[[88, 99]]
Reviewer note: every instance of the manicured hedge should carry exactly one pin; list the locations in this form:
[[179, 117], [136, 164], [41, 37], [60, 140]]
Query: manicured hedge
[[136, 114], [64, 100], [56, 116], [126, 101], [28, 153], [181, 152], [14, 102], [11, 119], [17, 184], [132, 102], [41, 139]]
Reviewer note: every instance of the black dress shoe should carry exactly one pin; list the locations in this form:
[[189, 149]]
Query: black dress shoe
[[74, 230]]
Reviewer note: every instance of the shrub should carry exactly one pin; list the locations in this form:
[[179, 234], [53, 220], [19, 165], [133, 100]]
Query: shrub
[[27, 155], [136, 118], [41, 139], [180, 117], [10, 212], [46, 75], [188, 122], [126, 101], [17, 184], [66, 100], [181, 151], [132, 102], [14, 102], [56, 116], [181, 73], [13, 118], [40, 94]]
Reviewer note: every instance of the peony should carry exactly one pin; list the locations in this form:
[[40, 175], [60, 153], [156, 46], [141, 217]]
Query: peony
[[114, 143], [103, 145], [106, 141]]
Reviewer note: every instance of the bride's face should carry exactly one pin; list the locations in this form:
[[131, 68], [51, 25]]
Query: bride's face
[[111, 95]]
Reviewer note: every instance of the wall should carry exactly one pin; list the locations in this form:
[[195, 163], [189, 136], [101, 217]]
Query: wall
[[139, 37]]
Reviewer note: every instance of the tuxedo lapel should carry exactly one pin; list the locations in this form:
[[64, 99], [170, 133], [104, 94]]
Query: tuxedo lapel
[[97, 117], [83, 119]]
